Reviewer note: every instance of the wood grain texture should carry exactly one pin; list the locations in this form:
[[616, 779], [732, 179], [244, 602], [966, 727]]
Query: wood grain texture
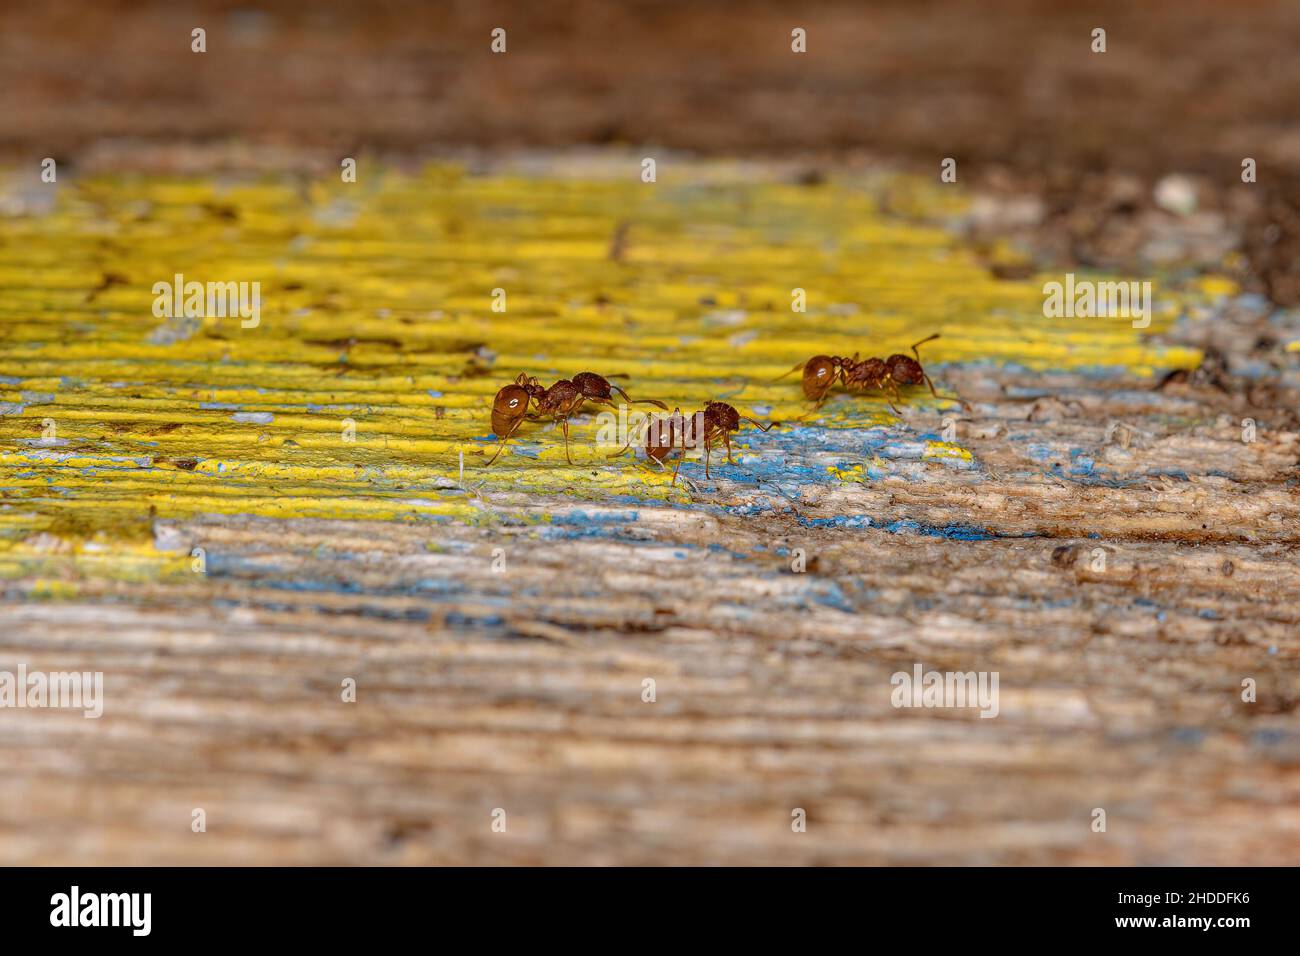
[[521, 689]]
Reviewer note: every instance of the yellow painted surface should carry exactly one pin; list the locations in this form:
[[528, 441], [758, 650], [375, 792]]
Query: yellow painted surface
[[946, 449], [376, 309]]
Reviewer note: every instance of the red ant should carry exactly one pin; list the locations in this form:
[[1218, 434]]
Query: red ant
[[510, 407], [716, 420], [664, 434], [888, 375]]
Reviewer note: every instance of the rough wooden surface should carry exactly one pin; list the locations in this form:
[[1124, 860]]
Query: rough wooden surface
[[521, 689]]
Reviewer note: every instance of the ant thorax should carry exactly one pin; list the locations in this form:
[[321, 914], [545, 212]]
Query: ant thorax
[[558, 397], [868, 373]]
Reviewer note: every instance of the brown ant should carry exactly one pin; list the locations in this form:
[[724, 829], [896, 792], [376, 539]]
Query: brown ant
[[888, 375], [510, 407], [717, 420], [664, 434]]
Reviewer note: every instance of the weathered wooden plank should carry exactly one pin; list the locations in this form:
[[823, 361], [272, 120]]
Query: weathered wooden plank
[[967, 544]]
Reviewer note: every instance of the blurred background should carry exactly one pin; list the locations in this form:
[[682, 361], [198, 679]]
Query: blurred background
[[1005, 88]]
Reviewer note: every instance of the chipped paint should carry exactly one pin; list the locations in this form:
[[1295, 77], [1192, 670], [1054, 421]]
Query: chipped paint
[[376, 311]]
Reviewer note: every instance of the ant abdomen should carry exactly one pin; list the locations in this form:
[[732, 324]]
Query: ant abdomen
[[509, 406], [818, 376]]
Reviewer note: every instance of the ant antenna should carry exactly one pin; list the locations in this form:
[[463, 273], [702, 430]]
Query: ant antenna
[[791, 372], [734, 392], [928, 338]]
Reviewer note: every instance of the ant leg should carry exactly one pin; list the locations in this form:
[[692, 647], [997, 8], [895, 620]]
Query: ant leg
[[500, 448], [889, 397], [726, 440], [622, 450], [954, 398], [706, 458], [640, 401], [564, 423], [678, 468]]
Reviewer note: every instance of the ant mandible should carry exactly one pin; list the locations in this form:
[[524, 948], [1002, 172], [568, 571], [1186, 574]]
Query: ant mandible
[[510, 407]]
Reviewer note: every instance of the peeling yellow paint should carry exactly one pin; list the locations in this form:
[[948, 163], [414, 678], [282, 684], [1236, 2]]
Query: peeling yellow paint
[[943, 449], [376, 313], [845, 474]]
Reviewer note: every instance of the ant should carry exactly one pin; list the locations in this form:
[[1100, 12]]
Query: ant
[[716, 420], [510, 407], [888, 375], [664, 434]]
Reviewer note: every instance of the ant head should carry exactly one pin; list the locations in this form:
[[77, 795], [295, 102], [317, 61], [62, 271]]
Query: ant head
[[530, 384], [722, 416], [593, 386], [509, 408], [905, 370], [819, 375]]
